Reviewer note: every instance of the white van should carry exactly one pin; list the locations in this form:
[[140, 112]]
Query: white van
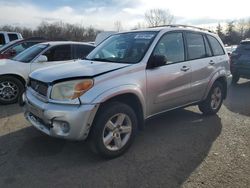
[[6, 37]]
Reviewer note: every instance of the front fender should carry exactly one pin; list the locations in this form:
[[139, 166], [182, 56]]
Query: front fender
[[120, 90]]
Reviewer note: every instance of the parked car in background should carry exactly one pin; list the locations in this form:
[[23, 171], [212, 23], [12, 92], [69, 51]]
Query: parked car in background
[[240, 61], [14, 72], [15, 47], [6, 37], [125, 80]]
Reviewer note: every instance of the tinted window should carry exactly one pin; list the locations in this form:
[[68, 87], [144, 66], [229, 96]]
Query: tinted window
[[195, 46], [171, 46], [12, 37], [208, 49], [2, 39], [29, 54], [124, 47], [81, 51], [59, 53], [216, 47]]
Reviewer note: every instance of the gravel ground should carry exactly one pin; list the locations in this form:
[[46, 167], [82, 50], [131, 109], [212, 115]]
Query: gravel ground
[[181, 148]]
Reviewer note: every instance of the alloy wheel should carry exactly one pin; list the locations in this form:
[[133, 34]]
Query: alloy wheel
[[117, 132]]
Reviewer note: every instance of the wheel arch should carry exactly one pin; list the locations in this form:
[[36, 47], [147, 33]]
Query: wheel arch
[[222, 78], [129, 97], [20, 78]]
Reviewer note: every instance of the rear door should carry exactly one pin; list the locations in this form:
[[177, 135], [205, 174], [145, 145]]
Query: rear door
[[56, 55], [202, 62], [168, 86]]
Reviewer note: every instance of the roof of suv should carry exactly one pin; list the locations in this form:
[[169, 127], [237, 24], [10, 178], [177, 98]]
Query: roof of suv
[[245, 41]]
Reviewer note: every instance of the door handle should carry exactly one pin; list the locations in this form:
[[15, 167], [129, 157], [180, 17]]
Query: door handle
[[185, 68], [211, 62]]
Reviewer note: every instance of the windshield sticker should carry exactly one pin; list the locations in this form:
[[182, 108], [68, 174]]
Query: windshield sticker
[[144, 36]]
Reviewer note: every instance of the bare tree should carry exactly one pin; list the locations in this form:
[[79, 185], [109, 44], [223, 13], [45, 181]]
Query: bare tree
[[242, 26], [139, 25], [118, 25], [157, 17]]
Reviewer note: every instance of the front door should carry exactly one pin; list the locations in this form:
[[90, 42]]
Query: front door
[[168, 86]]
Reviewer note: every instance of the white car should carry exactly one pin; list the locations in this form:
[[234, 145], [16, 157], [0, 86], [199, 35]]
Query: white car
[[6, 37], [14, 72]]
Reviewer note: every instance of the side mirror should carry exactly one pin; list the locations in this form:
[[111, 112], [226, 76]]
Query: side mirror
[[42, 58], [157, 61]]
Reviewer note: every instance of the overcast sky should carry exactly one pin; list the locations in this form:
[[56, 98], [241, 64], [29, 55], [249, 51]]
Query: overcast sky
[[103, 13]]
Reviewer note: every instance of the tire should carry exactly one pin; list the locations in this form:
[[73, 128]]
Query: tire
[[107, 139], [235, 78], [10, 89], [214, 100]]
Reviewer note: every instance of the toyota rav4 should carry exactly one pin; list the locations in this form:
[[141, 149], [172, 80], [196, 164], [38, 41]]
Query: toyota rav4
[[125, 80]]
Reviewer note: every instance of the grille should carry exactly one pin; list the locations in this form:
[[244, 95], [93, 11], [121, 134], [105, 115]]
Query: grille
[[39, 87]]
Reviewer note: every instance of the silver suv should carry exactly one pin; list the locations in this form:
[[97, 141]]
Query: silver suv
[[127, 79]]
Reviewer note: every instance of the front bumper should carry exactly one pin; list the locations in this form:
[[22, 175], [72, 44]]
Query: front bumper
[[66, 121]]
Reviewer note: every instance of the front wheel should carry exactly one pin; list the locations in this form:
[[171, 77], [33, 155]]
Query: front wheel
[[114, 130], [214, 100], [10, 89]]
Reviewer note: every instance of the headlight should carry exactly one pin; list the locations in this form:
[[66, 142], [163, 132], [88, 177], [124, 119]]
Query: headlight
[[70, 90]]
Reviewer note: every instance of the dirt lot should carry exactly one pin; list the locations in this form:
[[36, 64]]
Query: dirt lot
[[178, 149]]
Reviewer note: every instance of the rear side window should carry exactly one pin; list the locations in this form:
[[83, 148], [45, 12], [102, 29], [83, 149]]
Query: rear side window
[[171, 46], [195, 46], [2, 39], [81, 51], [216, 47], [59, 53], [12, 37]]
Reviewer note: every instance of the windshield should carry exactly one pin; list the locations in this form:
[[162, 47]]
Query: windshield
[[29, 54], [123, 48]]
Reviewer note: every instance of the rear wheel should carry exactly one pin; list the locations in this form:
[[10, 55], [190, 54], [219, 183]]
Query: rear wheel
[[10, 89], [214, 100], [114, 130]]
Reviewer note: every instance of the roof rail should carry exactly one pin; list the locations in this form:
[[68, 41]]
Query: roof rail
[[184, 26]]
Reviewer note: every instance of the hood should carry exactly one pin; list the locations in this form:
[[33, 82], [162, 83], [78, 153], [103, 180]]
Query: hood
[[77, 69]]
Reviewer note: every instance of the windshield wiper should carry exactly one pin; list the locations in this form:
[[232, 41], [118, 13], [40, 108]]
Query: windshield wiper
[[101, 59]]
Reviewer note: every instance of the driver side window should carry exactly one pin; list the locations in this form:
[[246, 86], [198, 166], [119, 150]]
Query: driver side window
[[59, 53], [171, 46]]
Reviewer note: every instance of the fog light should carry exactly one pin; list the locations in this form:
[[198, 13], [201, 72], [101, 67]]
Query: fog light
[[61, 127]]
